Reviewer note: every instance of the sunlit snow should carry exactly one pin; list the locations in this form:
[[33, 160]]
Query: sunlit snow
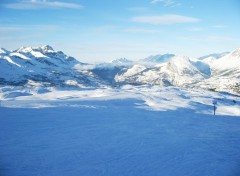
[[124, 131]]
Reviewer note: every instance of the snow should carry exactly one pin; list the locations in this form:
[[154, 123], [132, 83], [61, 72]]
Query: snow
[[229, 110], [42, 64], [122, 61], [236, 53], [230, 61], [151, 97], [11, 61], [71, 82], [69, 118], [179, 71], [20, 55], [24, 49], [38, 54], [203, 67], [46, 48], [135, 130], [214, 56], [3, 51], [134, 70], [182, 65], [34, 83], [219, 72], [159, 58]]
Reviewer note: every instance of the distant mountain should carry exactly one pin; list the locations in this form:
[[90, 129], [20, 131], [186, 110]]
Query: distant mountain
[[3, 51], [159, 58], [121, 61], [108, 71], [214, 55], [225, 73], [177, 71], [44, 66], [222, 74]]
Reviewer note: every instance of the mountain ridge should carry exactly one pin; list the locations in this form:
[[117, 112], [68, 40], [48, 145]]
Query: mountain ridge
[[47, 67]]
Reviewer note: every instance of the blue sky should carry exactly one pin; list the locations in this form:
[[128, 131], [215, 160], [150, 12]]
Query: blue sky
[[102, 30]]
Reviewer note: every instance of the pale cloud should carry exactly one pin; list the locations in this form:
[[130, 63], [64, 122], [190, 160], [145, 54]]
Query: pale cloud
[[41, 4], [219, 26], [22, 28], [222, 39], [141, 30], [217, 39], [167, 3], [195, 29], [104, 29], [11, 40], [164, 19]]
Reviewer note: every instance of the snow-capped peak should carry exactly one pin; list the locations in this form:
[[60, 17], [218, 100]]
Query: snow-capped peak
[[42, 49], [236, 53], [159, 58], [46, 48], [180, 60], [24, 49], [182, 65], [121, 61], [134, 70]]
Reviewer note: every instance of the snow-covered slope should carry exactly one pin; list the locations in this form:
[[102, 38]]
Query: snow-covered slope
[[108, 71], [179, 71], [213, 72], [132, 131], [227, 64], [42, 65], [225, 73]]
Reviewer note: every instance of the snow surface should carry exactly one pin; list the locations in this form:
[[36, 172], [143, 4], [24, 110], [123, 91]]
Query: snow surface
[[20, 56], [151, 97], [129, 131], [11, 61], [64, 117]]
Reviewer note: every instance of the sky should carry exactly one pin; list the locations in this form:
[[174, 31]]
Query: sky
[[103, 30]]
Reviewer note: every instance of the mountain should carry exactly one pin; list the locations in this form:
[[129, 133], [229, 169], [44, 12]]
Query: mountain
[[219, 73], [108, 71], [225, 73], [178, 71], [3, 51], [121, 61], [227, 64], [158, 58], [214, 55], [44, 66]]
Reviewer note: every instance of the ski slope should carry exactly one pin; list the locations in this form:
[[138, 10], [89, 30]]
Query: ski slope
[[128, 131]]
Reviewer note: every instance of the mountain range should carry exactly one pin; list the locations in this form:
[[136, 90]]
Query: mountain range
[[43, 66]]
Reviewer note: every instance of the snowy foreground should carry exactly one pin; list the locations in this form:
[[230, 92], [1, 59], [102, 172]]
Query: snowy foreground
[[128, 131]]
